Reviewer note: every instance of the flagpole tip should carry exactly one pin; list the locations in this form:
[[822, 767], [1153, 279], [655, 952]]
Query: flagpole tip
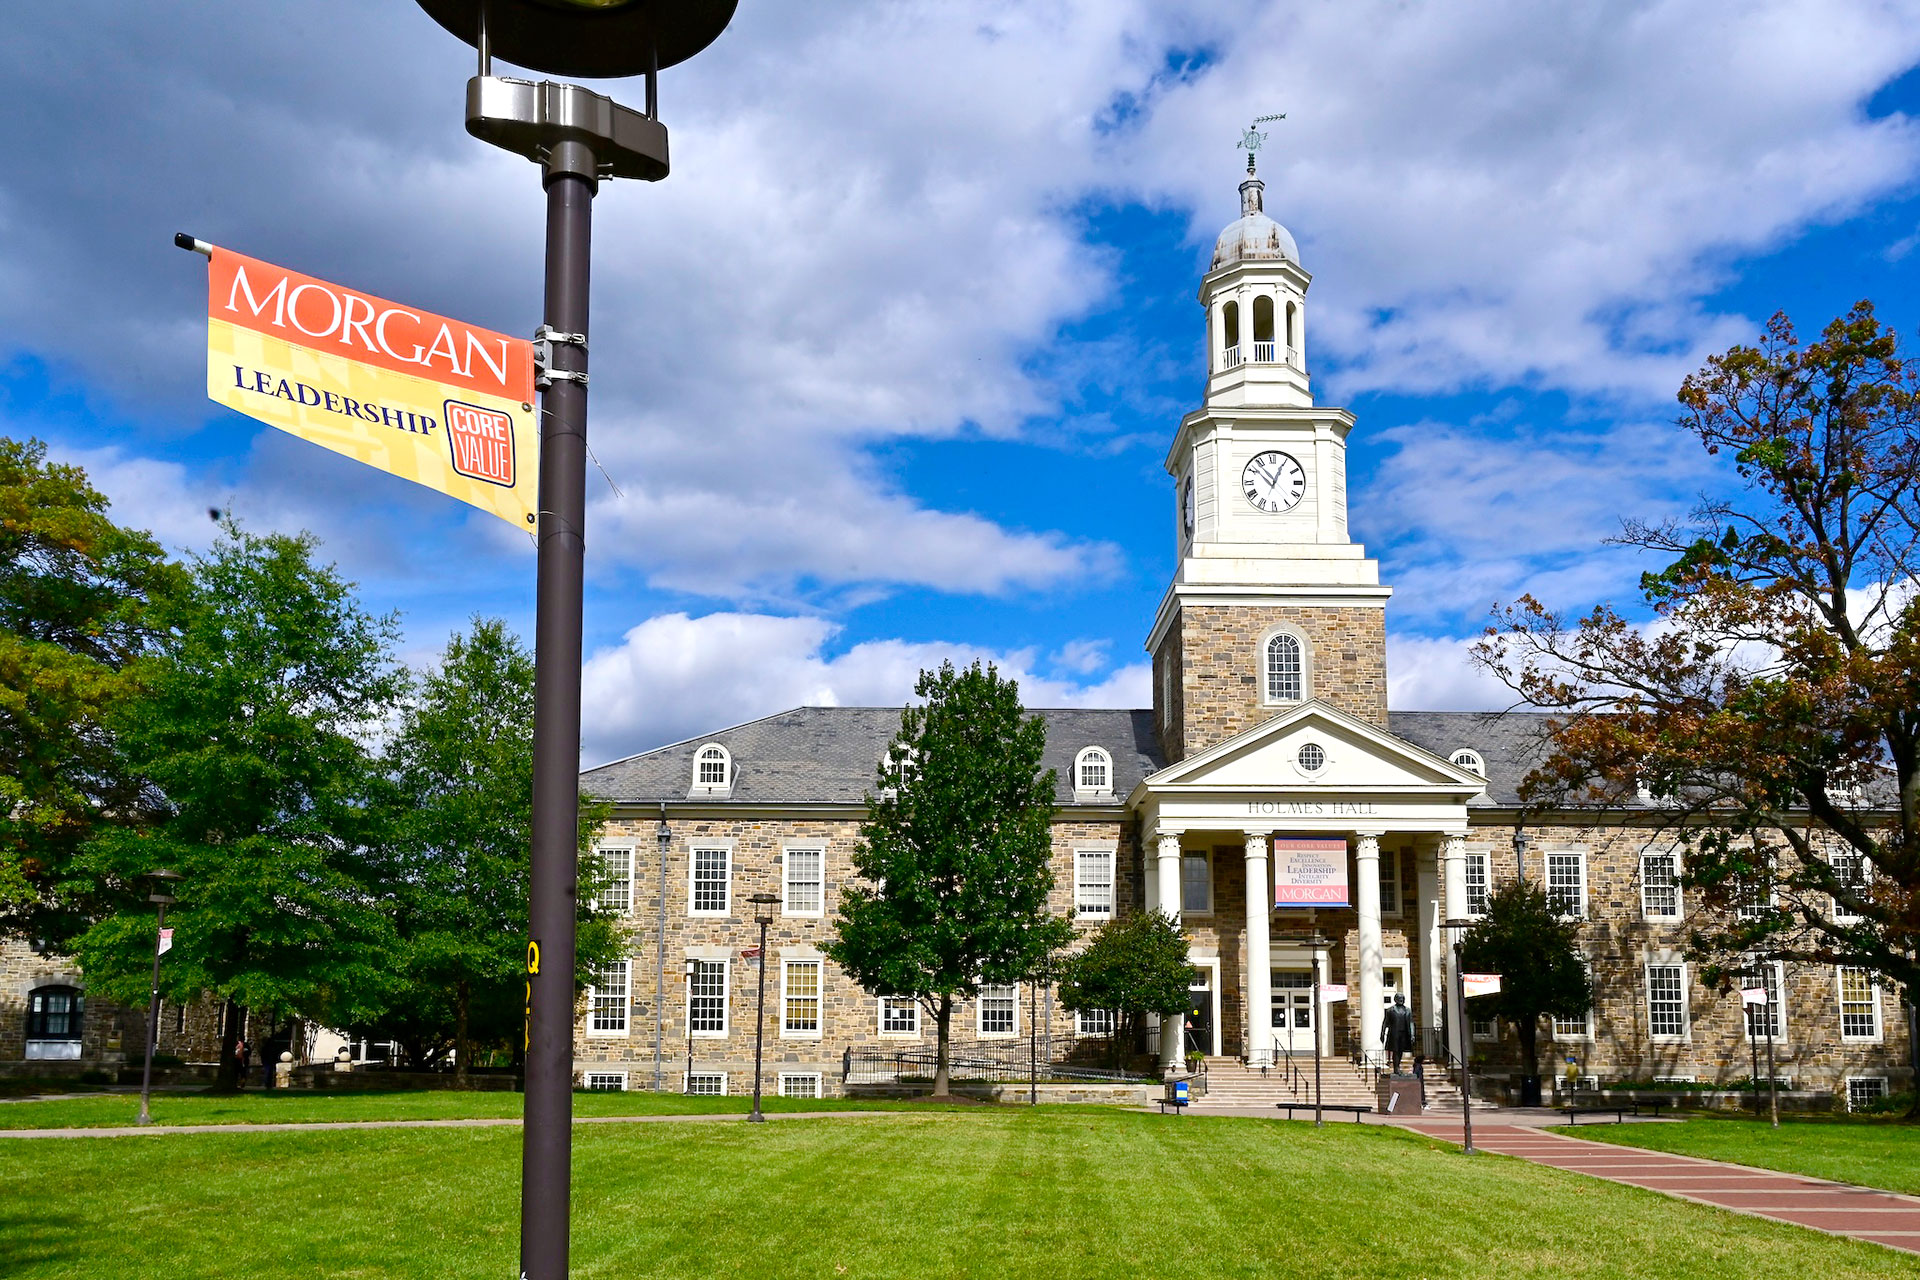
[[191, 245]]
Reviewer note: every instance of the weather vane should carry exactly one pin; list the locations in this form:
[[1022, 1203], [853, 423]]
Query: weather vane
[[1250, 140]]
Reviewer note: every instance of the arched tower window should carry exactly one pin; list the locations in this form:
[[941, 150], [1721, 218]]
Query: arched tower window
[[1230, 335], [1293, 334], [1263, 329], [1093, 773], [1286, 667], [712, 771]]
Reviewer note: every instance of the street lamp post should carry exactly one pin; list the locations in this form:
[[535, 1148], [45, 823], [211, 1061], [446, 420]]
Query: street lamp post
[[1465, 1038], [577, 137], [161, 898], [761, 918], [1318, 943]]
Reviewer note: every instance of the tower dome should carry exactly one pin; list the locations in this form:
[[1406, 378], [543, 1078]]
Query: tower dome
[[1254, 237]]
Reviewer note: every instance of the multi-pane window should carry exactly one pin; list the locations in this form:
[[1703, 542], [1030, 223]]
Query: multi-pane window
[[1763, 1020], [1283, 668], [606, 1081], [1095, 771], [1580, 1028], [1859, 1005], [1567, 883], [53, 1013], [616, 891], [1093, 882], [707, 998], [1659, 886], [1667, 1001], [712, 768], [1850, 869], [1390, 882], [1196, 884], [998, 1011], [799, 1084], [712, 881], [1864, 1091], [1095, 1022], [800, 997], [1483, 1028], [713, 1084], [1753, 893], [805, 872], [899, 1016], [607, 999], [1477, 887]]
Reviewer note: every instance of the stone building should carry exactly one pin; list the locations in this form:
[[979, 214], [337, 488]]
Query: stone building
[[1269, 776], [49, 1025]]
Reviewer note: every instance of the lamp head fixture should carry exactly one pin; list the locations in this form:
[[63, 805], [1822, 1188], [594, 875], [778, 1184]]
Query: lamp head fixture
[[592, 39]]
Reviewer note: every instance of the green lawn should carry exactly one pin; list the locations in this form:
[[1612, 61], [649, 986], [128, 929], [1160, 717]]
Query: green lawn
[[1054, 1194], [1880, 1154], [299, 1107]]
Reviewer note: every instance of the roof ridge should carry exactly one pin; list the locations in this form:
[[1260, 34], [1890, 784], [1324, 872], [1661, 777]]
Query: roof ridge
[[704, 737]]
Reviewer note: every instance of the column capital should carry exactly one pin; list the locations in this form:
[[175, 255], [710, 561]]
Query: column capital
[[1166, 844], [1452, 845], [1366, 844], [1257, 843]]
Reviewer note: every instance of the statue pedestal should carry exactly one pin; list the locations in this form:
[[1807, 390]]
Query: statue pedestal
[[1399, 1095]]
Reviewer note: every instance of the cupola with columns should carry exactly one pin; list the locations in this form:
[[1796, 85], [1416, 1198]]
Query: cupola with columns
[[1273, 604]]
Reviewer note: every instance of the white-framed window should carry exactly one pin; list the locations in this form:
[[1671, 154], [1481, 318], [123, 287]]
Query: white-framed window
[[1470, 760], [1390, 883], [804, 881], [1093, 883], [1767, 1019], [799, 1084], [707, 998], [607, 999], [710, 880], [1196, 883], [1095, 1022], [800, 999], [1093, 773], [1667, 1001], [616, 868], [899, 1016], [1660, 885], [606, 1082], [1479, 888], [1284, 657], [997, 1012], [1483, 1028], [1754, 895], [1567, 882], [1859, 1004], [1580, 1028], [711, 1084], [1864, 1091], [1850, 868], [712, 772]]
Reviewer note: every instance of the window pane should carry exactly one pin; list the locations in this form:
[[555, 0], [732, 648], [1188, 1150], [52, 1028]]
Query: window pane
[[800, 1086], [712, 1084], [1659, 886], [1390, 882], [999, 1008], [710, 880], [708, 998], [1566, 883], [1859, 1011], [1096, 1022], [617, 866], [1093, 882], [805, 884], [900, 1015], [1283, 669], [1762, 1020], [1476, 884], [1093, 771], [607, 1081], [610, 997], [1666, 1000], [1196, 882], [713, 769], [803, 996]]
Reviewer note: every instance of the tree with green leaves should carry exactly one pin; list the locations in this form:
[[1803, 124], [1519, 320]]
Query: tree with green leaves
[[457, 851], [955, 853], [1132, 966], [1536, 952], [77, 599], [1772, 707], [251, 731]]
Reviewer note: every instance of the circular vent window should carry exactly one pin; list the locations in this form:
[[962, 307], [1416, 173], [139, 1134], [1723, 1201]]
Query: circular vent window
[[1312, 757]]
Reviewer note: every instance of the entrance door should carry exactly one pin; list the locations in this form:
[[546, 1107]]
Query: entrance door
[[1293, 1011], [1394, 982], [1200, 1013]]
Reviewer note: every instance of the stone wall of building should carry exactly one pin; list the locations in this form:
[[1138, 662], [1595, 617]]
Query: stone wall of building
[[1169, 718], [849, 1016], [1222, 666], [111, 1035]]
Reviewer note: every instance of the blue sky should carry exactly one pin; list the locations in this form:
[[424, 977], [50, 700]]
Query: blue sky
[[886, 370]]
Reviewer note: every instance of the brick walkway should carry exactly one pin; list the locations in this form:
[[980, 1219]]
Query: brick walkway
[[1833, 1207]]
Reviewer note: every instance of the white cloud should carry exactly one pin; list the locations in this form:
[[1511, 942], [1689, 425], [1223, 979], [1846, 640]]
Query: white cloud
[[675, 676], [1435, 673]]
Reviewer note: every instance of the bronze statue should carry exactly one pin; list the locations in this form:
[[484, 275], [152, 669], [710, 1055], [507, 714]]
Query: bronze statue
[[1396, 1031]]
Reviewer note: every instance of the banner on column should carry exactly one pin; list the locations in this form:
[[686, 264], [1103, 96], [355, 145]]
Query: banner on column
[[1480, 984], [434, 400], [1309, 872]]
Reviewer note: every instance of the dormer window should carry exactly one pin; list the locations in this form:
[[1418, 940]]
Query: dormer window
[[1093, 774], [1469, 759], [712, 772]]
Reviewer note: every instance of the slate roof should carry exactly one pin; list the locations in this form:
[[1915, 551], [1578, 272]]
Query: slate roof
[[827, 755], [1510, 743]]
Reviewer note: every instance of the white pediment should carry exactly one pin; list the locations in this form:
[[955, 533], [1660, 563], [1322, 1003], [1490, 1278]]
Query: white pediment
[[1317, 748]]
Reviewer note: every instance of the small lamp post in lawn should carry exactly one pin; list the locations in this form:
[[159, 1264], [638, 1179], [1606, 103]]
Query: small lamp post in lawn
[[761, 918], [163, 881], [1465, 1037]]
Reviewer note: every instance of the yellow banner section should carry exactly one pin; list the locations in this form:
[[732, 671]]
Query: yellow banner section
[[480, 448]]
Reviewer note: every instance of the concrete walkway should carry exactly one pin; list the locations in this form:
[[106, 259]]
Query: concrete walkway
[[141, 1131], [1834, 1207]]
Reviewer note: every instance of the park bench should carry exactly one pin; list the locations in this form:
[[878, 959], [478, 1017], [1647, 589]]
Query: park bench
[[1618, 1113], [1291, 1107], [1178, 1104]]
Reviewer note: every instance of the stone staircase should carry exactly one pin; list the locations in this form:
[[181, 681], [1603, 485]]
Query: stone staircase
[[1231, 1084]]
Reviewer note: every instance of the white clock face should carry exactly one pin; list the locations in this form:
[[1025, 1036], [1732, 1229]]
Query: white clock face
[[1274, 481], [1186, 505]]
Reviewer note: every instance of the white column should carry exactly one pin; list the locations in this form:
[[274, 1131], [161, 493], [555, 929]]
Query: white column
[[1366, 875], [1167, 878], [1259, 953], [1427, 872], [1453, 872]]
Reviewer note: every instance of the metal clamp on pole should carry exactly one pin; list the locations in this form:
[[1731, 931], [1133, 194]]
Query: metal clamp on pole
[[544, 374]]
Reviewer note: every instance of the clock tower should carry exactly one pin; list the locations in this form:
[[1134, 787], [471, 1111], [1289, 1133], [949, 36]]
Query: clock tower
[[1273, 604]]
